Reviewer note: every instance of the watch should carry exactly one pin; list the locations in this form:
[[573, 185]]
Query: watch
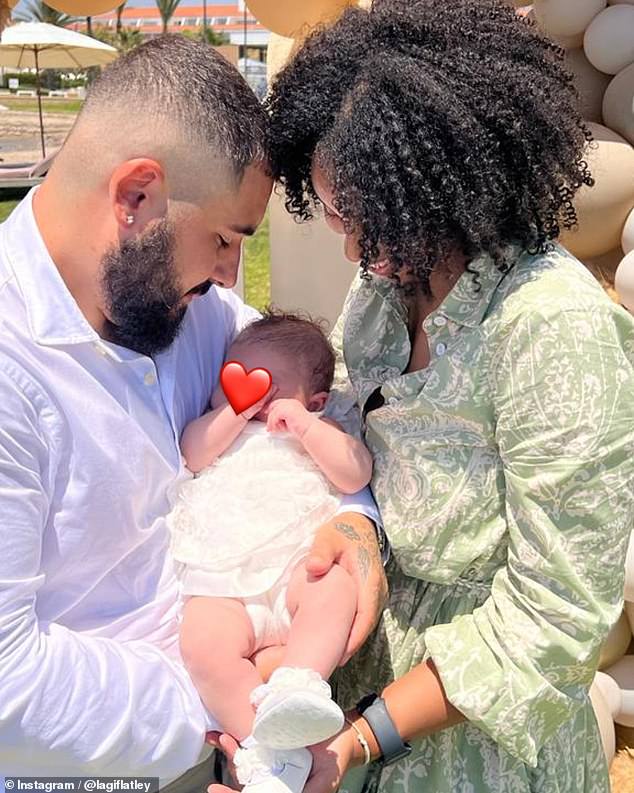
[[391, 745]]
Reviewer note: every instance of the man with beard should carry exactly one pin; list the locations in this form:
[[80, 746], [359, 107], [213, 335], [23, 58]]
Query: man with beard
[[115, 315]]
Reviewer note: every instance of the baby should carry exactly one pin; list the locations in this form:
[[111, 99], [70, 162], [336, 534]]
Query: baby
[[268, 478]]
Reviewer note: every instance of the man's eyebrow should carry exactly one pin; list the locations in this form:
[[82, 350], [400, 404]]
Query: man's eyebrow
[[248, 231]]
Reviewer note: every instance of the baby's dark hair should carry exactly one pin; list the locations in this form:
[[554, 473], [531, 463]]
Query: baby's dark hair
[[298, 336]]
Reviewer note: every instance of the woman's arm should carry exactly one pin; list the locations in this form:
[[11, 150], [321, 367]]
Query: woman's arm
[[343, 459]]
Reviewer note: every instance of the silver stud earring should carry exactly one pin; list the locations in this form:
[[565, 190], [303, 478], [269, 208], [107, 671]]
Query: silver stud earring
[[129, 219]]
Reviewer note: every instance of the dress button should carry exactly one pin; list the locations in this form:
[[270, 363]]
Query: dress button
[[441, 349], [440, 321], [150, 378]]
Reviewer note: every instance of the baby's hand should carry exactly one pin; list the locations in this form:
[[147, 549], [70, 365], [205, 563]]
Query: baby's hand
[[249, 413], [290, 415]]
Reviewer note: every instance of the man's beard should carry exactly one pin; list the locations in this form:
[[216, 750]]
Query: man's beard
[[142, 291]]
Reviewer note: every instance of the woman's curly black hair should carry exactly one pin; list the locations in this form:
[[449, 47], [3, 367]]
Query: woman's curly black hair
[[439, 125]]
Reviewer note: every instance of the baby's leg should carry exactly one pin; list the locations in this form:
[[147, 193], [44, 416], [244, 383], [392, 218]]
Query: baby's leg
[[295, 707], [322, 611], [216, 641]]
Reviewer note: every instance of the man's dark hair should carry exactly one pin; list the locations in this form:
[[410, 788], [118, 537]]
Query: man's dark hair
[[300, 338], [174, 82], [439, 124]]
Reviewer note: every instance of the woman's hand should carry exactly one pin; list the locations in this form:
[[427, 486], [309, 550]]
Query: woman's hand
[[331, 761], [349, 539]]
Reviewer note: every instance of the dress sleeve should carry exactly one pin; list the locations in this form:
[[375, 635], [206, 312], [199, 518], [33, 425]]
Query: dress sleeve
[[563, 395]]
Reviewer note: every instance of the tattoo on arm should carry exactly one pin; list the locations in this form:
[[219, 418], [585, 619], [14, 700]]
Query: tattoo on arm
[[364, 562], [347, 530]]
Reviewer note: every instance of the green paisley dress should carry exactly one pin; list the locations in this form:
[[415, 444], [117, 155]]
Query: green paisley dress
[[504, 473]]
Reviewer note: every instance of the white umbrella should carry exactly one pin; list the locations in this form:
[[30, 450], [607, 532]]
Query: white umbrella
[[38, 45]]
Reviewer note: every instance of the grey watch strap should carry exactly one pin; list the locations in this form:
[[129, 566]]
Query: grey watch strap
[[392, 746]]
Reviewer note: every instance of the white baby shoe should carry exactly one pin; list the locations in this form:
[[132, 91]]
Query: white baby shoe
[[263, 770], [294, 709]]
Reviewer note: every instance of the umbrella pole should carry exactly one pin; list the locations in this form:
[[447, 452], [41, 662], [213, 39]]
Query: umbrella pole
[[39, 101]]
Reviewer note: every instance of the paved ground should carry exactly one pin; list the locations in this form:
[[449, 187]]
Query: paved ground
[[20, 134]]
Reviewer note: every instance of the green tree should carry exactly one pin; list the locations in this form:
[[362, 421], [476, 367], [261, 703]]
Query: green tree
[[209, 35], [166, 9], [38, 11], [126, 40]]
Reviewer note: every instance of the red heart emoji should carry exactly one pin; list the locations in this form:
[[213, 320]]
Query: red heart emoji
[[242, 389]]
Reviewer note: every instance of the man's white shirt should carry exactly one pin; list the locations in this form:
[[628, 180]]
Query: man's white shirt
[[90, 674]]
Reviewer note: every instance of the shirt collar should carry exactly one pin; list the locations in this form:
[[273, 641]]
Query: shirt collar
[[468, 301], [53, 315]]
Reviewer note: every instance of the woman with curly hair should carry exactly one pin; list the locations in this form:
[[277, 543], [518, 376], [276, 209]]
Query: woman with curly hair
[[492, 377]]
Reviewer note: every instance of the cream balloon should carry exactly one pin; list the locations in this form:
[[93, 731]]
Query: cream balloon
[[567, 42], [566, 17], [609, 39], [623, 673], [590, 83], [616, 644], [603, 208], [618, 104], [624, 285], [84, 8], [604, 718], [293, 19], [627, 243]]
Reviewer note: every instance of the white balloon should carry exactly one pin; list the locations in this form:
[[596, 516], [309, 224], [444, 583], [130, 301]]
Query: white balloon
[[624, 285], [612, 694], [623, 673], [566, 17], [618, 104], [627, 243], [609, 39]]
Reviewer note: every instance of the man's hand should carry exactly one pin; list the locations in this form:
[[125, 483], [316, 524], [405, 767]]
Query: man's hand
[[349, 539], [331, 760]]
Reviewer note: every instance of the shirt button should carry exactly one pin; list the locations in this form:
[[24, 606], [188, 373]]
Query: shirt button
[[441, 349], [440, 321], [150, 379]]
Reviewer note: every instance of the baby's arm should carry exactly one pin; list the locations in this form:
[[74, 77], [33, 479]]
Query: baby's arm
[[343, 459], [206, 438]]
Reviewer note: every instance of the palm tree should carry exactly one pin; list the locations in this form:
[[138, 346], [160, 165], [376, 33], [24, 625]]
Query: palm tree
[[119, 12], [166, 10], [38, 11]]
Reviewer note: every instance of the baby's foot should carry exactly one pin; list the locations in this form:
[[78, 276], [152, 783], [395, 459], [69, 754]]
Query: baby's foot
[[294, 709], [263, 770]]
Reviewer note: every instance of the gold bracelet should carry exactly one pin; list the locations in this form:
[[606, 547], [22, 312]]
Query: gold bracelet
[[367, 757]]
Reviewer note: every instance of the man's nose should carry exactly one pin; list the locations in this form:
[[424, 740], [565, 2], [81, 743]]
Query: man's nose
[[225, 269]]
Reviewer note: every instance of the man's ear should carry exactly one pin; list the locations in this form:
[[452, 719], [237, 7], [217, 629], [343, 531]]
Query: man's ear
[[138, 193], [317, 402]]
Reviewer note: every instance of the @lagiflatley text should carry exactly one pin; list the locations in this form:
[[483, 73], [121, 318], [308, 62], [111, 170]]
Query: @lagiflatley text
[[80, 784]]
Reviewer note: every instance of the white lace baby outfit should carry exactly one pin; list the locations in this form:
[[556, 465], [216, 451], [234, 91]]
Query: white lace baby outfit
[[242, 525]]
